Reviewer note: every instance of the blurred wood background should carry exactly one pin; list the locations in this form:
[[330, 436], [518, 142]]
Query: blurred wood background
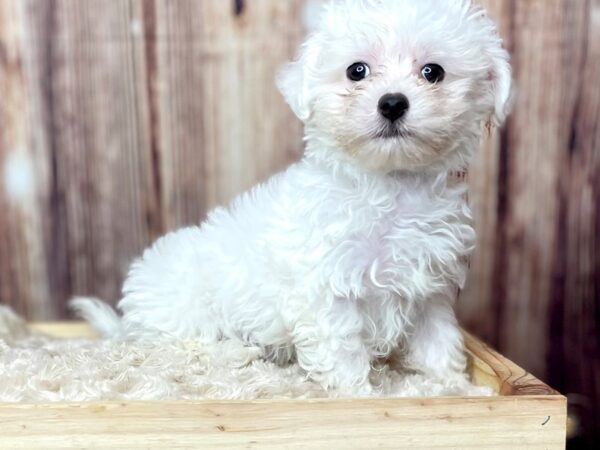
[[122, 119]]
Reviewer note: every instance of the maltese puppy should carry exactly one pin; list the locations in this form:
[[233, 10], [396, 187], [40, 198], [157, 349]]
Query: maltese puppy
[[357, 251]]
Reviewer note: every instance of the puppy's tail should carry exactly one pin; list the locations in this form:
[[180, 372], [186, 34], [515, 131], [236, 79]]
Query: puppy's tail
[[101, 316]]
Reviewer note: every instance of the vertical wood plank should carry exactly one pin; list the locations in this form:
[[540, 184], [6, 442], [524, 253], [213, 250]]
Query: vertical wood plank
[[575, 312], [533, 287], [477, 304], [546, 34], [135, 117], [87, 124], [101, 144], [24, 173], [222, 124]]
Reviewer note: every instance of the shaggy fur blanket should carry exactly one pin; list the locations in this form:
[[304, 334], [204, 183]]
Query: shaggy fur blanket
[[35, 367]]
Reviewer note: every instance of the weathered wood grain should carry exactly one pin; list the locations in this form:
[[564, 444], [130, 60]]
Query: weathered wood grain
[[220, 124], [533, 288], [547, 34], [490, 368], [477, 299], [101, 140], [479, 423], [575, 312], [24, 171], [133, 117]]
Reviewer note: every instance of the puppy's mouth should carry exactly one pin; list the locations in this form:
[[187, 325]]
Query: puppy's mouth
[[392, 133]]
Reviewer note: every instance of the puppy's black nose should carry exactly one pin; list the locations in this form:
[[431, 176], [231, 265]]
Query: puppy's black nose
[[393, 106]]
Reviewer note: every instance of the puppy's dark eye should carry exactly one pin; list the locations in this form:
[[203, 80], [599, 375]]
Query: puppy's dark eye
[[433, 73], [358, 71]]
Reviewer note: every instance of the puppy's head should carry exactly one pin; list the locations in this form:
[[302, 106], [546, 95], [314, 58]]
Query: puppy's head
[[400, 84]]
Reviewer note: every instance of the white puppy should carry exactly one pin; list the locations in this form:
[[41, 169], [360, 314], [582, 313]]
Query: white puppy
[[357, 250]]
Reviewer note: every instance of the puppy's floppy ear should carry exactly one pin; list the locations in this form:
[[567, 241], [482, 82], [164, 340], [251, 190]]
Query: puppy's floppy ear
[[294, 80], [500, 89], [501, 82]]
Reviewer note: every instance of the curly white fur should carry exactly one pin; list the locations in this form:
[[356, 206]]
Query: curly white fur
[[357, 251], [37, 368]]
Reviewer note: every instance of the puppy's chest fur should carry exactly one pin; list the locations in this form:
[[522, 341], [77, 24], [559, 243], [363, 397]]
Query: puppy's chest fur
[[379, 236], [386, 244], [371, 250]]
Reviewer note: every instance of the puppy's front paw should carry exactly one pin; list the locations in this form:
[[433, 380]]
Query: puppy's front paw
[[344, 381], [340, 365], [436, 346]]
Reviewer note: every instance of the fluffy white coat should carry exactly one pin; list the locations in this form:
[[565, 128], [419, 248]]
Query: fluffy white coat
[[357, 251]]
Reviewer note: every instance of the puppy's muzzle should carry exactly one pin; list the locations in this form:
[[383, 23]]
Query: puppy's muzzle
[[393, 106]]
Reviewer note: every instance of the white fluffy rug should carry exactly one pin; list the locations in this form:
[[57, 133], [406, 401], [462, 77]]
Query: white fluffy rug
[[34, 367]]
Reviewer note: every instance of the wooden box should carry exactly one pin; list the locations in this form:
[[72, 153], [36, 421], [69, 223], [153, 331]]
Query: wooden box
[[527, 414]]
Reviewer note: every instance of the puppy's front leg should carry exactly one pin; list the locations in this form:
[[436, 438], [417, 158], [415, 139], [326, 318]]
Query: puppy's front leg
[[336, 362], [330, 348], [435, 346]]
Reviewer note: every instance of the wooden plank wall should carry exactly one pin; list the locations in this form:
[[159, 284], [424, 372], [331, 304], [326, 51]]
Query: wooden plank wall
[[121, 120], [124, 119], [534, 287]]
